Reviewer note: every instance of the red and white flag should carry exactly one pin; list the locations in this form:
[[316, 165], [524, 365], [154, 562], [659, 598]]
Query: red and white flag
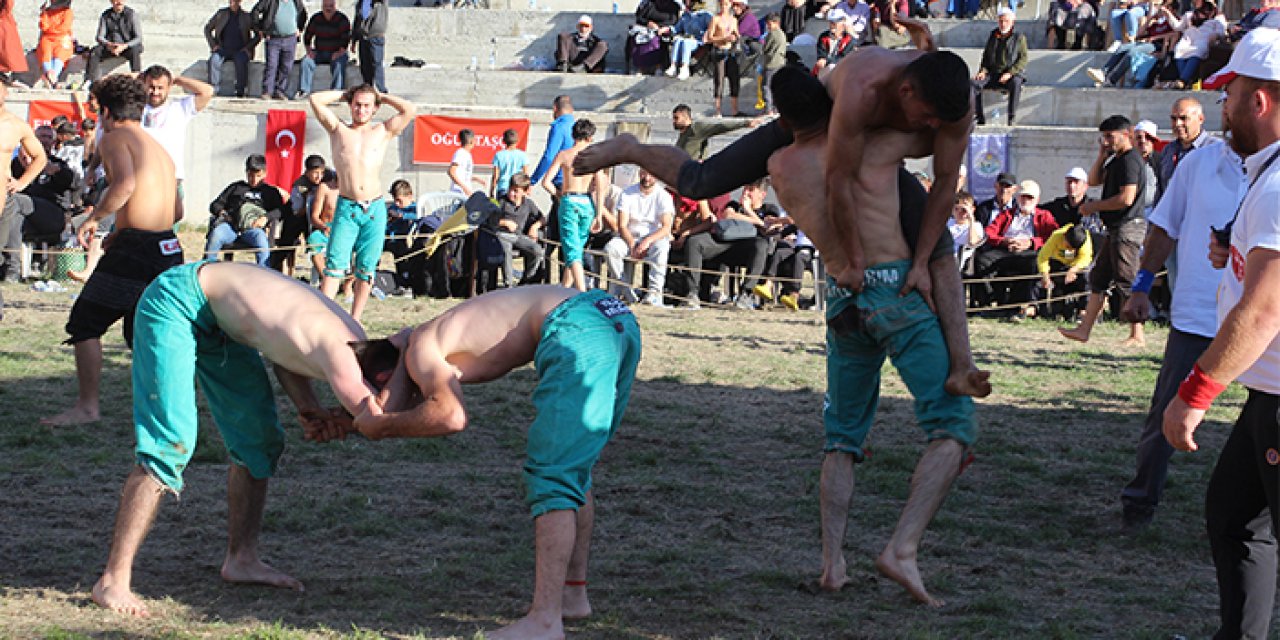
[[286, 139]]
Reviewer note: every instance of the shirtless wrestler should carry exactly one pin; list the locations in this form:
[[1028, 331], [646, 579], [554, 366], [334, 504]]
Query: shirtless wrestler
[[581, 199]]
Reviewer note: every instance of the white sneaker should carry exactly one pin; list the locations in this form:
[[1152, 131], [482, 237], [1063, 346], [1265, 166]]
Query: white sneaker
[[655, 302], [684, 72], [671, 71], [1114, 46], [1096, 76]]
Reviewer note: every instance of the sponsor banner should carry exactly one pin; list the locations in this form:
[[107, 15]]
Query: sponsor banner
[[988, 158], [41, 112], [435, 138]]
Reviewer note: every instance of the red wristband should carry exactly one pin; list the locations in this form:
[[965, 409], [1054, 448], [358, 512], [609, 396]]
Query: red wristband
[[1199, 390], [575, 583]]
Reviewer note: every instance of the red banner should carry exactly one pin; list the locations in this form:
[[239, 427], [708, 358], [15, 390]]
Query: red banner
[[41, 112], [435, 138], [286, 139]]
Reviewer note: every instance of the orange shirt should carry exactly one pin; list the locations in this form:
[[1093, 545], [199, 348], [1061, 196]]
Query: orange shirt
[[55, 35]]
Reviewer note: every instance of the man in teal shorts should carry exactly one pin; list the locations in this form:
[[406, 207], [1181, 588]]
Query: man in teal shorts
[[207, 322], [585, 347], [581, 199]]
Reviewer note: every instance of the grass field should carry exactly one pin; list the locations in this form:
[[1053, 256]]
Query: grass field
[[707, 510]]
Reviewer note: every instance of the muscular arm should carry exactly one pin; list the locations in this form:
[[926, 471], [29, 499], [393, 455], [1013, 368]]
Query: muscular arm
[[1155, 251], [950, 144], [202, 91], [34, 150], [405, 111], [320, 102], [439, 414], [846, 139], [121, 180], [317, 208]]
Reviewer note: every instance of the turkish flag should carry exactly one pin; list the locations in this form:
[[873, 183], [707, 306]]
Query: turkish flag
[[286, 138]]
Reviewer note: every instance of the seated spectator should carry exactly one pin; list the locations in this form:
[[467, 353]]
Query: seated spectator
[[733, 240], [857, 20], [403, 223], [296, 220], [241, 212], [1200, 29], [56, 44], [1132, 64], [1068, 251], [687, 34], [70, 147], [119, 36], [1126, 17], [516, 226], [581, 50], [646, 51], [794, 15], [57, 184], [885, 30], [325, 38], [507, 163], [1013, 243], [1004, 58], [645, 213], [231, 37], [962, 9], [967, 234], [749, 31], [1261, 16], [1002, 201], [1066, 209], [1073, 16], [787, 257], [834, 44]]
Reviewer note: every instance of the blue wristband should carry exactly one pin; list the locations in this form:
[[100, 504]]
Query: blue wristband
[[1142, 283]]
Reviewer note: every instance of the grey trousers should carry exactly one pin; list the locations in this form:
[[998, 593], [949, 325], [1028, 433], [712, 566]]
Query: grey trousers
[[529, 249]]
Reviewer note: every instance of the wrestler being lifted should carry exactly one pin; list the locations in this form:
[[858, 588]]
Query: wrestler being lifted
[[873, 89], [206, 323], [360, 219], [585, 347]]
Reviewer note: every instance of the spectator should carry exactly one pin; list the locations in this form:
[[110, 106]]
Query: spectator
[[794, 15], [885, 30], [462, 165], [645, 50], [1014, 239], [559, 138], [962, 9], [297, 217], [1131, 64], [241, 212], [834, 44], [723, 38], [732, 240], [773, 57], [1200, 29], [1126, 17], [119, 36], [645, 214], [1187, 117], [687, 34], [13, 58], [279, 21], [967, 234], [325, 40], [320, 208], [749, 32], [1066, 209], [231, 36], [694, 136], [1004, 58], [1263, 15], [1069, 251], [167, 120], [508, 163], [56, 44], [1073, 16], [857, 19], [402, 222], [1001, 202], [1118, 170], [56, 184], [1146, 141], [369, 35], [582, 50], [790, 255], [70, 147], [516, 226]]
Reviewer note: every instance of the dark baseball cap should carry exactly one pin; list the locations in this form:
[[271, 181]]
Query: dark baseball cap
[[1007, 179]]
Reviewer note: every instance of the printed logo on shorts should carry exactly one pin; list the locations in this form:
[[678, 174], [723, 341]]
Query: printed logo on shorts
[[1237, 264], [612, 307], [882, 277], [1273, 457], [170, 247]]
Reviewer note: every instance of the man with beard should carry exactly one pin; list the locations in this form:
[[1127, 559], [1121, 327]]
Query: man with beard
[[167, 120]]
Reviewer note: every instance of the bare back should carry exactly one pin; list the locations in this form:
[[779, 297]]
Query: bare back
[[358, 153], [131, 156], [15, 133], [487, 336], [573, 182]]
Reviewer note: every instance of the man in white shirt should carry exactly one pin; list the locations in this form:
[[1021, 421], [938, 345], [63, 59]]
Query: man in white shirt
[[1242, 504], [645, 214], [166, 120], [462, 166]]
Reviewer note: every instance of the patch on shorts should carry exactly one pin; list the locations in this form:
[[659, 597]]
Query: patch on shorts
[[1273, 457], [170, 247], [612, 307]]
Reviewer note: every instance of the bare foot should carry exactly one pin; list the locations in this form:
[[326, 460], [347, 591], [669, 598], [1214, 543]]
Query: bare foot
[[258, 572], [74, 415], [905, 572], [118, 598], [974, 382], [603, 155], [1074, 334], [529, 628], [1134, 343], [78, 276], [574, 604], [834, 578]]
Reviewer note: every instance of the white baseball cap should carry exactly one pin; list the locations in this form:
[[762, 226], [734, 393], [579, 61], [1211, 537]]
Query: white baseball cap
[[1005, 11], [585, 19], [1256, 56], [1148, 127], [1077, 173], [1029, 188], [836, 15]]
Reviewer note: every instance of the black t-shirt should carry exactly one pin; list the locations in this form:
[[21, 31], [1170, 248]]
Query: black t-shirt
[[1121, 170], [523, 215], [1064, 213]]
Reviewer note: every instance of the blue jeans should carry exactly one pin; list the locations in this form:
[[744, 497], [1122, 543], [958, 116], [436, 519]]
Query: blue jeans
[[371, 50], [682, 50], [241, 60], [1130, 59], [337, 61], [1187, 68], [1126, 21], [223, 235], [280, 52]]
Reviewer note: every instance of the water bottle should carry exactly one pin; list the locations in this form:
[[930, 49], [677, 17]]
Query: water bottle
[[533, 5], [995, 115], [615, 7], [493, 60], [475, 64], [378, 293]]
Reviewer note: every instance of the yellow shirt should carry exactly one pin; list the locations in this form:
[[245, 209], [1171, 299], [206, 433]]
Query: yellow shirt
[[1056, 247]]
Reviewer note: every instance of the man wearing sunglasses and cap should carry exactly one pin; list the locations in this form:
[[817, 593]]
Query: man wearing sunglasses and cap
[[1242, 509]]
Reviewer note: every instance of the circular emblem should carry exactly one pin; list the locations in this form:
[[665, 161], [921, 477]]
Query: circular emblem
[[988, 164], [1273, 457]]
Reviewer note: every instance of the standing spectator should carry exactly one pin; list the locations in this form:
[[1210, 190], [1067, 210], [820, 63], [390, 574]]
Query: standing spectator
[[296, 219], [1066, 209], [1201, 195], [516, 228], [722, 36], [773, 56], [1004, 58], [508, 163], [167, 120], [56, 44], [749, 34], [645, 214], [231, 36], [119, 36], [13, 58], [1002, 201], [1264, 15], [461, 166], [1187, 117], [1200, 29], [1014, 240], [834, 43], [794, 15], [1146, 140], [279, 21], [1118, 168], [559, 138], [581, 50], [694, 136], [241, 212], [325, 40], [369, 34]]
